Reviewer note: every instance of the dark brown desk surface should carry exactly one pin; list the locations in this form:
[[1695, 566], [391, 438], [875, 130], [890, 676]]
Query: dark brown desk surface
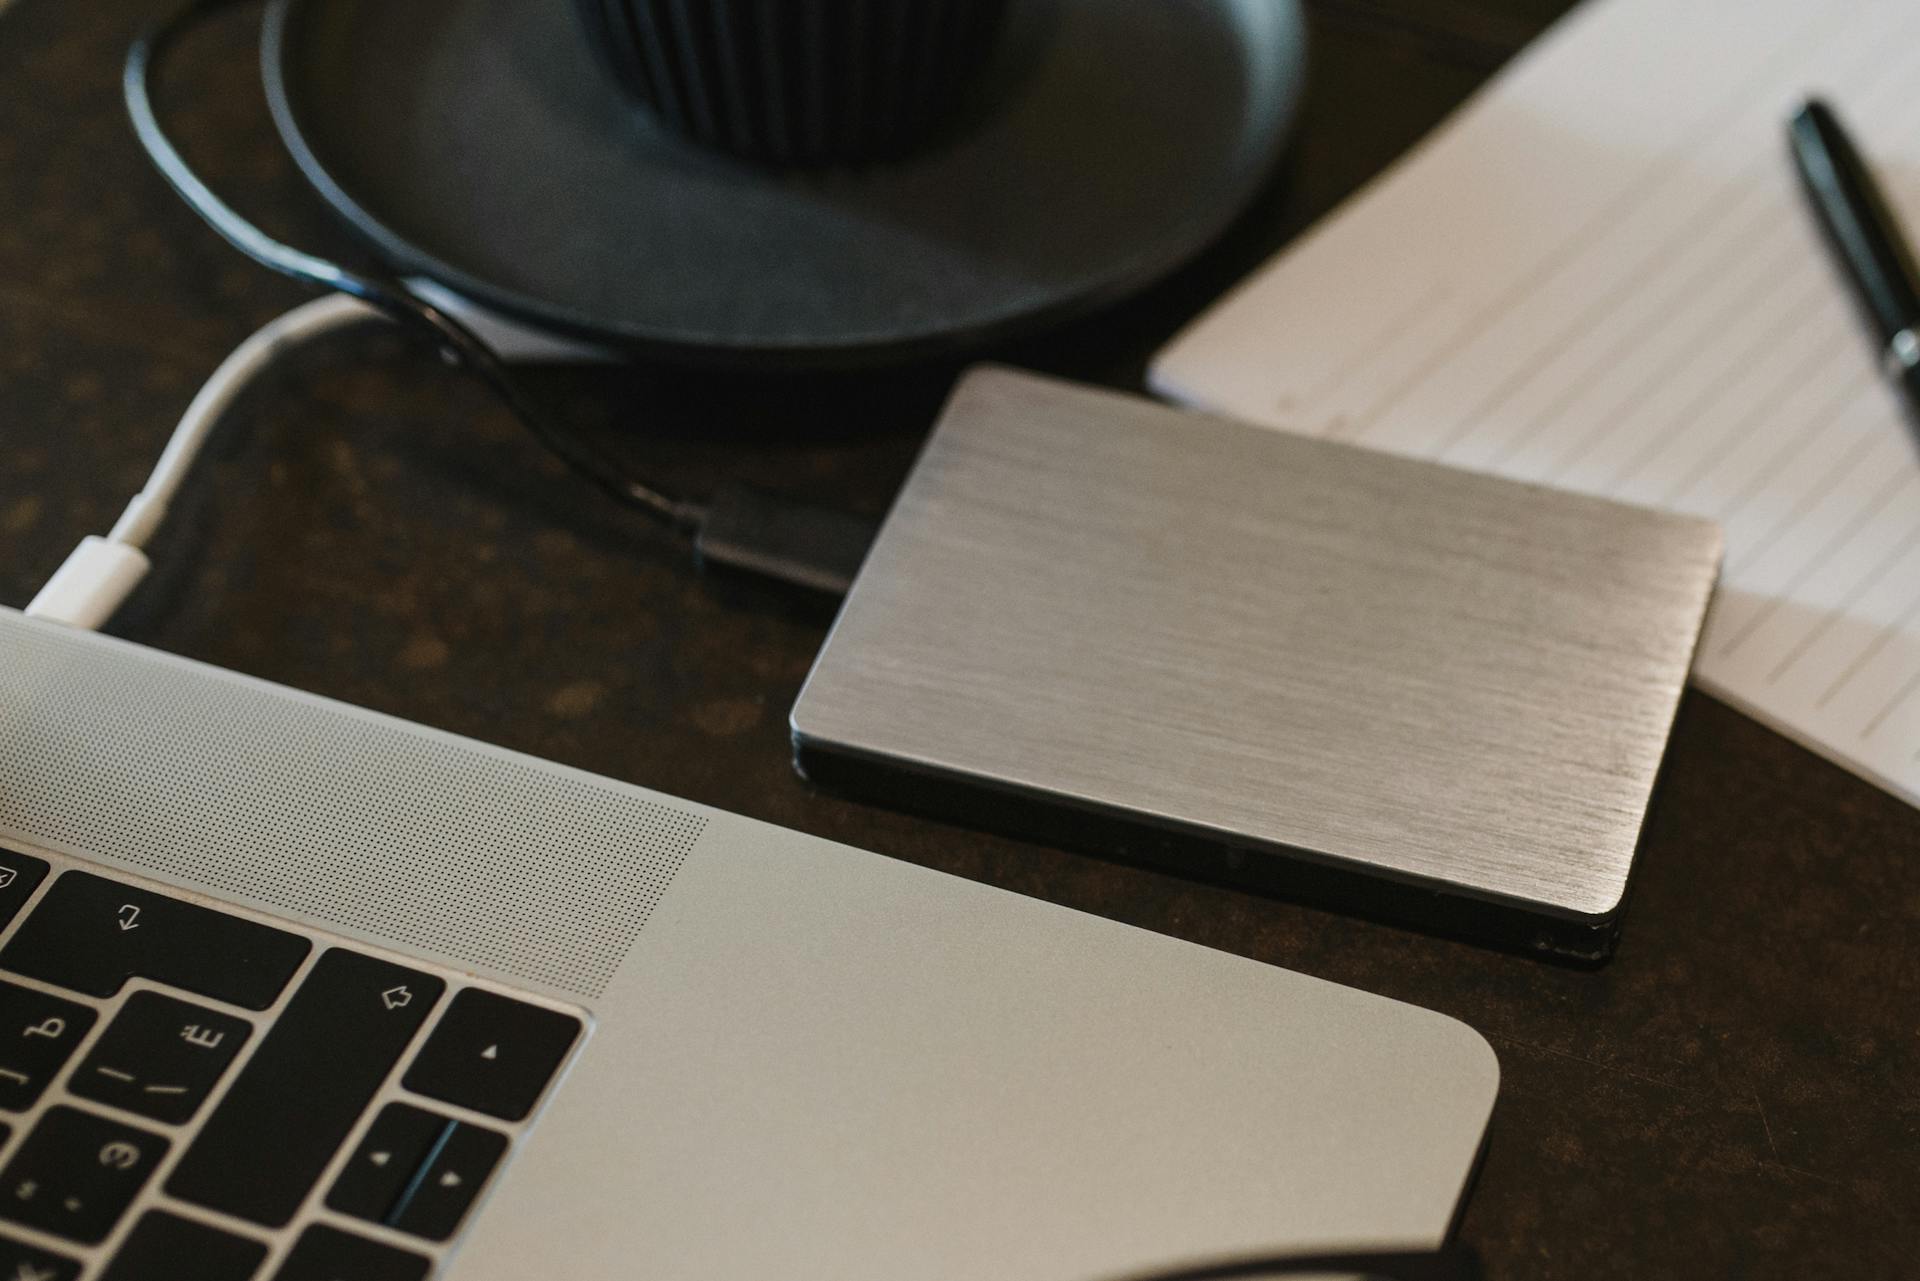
[[1737, 1094]]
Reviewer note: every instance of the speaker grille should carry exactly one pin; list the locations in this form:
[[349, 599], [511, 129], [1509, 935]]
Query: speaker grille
[[363, 822]]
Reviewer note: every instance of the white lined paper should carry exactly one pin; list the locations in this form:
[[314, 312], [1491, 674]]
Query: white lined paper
[[1601, 275]]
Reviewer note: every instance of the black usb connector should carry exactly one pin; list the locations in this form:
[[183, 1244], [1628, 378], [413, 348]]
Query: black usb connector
[[755, 532]]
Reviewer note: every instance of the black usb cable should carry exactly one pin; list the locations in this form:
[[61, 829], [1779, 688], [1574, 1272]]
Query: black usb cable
[[815, 548]]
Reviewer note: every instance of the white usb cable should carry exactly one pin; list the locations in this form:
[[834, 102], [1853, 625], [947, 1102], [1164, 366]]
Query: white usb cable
[[101, 572]]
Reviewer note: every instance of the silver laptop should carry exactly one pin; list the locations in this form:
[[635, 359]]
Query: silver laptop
[[293, 990]]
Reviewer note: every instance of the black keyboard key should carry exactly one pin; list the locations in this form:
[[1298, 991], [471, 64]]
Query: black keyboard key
[[22, 1262], [160, 1057], [300, 1094], [19, 875], [166, 1247], [437, 1198], [37, 1034], [328, 1254], [76, 1173], [492, 1054], [395, 1148], [92, 935]]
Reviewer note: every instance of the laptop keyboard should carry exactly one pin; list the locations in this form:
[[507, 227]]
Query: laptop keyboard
[[191, 1091]]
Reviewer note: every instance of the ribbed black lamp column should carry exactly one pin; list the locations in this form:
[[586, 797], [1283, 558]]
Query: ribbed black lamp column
[[796, 81]]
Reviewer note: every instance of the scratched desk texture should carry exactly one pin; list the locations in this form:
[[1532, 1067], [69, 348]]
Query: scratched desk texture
[[1737, 1094]]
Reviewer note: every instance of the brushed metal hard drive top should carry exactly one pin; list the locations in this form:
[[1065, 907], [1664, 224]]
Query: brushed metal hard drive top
[[1303, 654]]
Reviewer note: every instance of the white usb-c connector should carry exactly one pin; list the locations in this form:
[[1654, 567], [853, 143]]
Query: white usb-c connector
[[102, 572]]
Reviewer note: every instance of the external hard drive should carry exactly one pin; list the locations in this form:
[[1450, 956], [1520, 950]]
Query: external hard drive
[[1415, 692]]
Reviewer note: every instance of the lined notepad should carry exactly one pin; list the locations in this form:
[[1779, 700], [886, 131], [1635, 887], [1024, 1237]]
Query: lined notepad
[[1601, 275]]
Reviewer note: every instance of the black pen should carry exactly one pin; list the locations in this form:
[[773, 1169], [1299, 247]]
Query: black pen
[[1865, 236]]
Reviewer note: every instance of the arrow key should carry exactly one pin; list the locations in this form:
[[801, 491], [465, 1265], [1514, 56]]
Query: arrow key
[[493, 1054], [327, 1254], [395, 1146], [439, 1196]]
